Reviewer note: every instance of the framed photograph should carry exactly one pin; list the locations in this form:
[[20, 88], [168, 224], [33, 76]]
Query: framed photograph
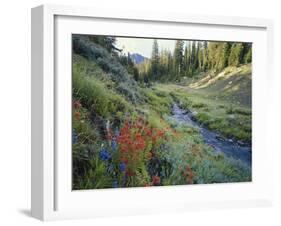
[[135, 112]]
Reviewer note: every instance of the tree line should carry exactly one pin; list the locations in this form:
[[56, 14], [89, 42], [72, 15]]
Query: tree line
[[188, 58], [191, 57]]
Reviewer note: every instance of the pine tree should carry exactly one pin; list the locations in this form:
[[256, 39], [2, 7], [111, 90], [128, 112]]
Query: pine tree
[[178, 58], [186, 61], [200, 59], [170, 64], [223, 55], [248, 56], [247, 53], [236, 54], [107, 42], [205, 55], [193, 58], [155, 60], [197, 49]]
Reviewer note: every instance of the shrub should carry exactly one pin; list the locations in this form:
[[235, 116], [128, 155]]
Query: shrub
[[199, 105], [108, 63], [203, 118]]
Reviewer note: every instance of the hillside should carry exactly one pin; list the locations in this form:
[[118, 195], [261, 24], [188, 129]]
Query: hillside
[[232, 84], [123, 81]]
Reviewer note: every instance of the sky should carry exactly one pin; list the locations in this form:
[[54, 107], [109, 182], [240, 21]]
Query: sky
[[143, 46]]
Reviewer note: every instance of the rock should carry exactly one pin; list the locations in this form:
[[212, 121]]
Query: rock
[[194, 113], [241, 143], [219, 138], [231, 116]]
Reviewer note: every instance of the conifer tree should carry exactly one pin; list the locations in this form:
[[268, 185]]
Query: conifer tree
[[155, 60], [248, 56], [193, 58], [224, 55], [178, 58], [205, 55], [186, 61], [236, 54]]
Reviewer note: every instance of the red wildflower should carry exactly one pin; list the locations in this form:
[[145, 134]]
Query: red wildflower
[[155, 180], [190, 175], [148, 131], [77, 104], [135, 138], [149, 155], [77, 115], [129, 173], [125, 160]]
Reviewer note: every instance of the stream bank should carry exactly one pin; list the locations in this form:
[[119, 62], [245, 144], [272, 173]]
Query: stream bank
[[229, 147]]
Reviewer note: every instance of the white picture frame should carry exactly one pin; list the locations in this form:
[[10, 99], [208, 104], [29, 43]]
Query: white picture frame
[[52, 197]]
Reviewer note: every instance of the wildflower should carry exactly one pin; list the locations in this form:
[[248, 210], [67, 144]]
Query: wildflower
[[116, 132], [125, 160], [148, 132], [122, 166], [113, 145], [77, 115], [115, 184], [74, 137], [149, 155], [77, 104], [155, 180], [129, 173], [190, 175], [104, 155]]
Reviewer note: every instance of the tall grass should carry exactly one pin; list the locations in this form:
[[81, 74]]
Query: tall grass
[[96, 96]]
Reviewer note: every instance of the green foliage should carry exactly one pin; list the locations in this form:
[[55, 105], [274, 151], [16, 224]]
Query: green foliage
[[96, 96], [236, 54], [248, 56], [225, 52], [127, 62], [199, 105], [94, 176], [158, 101], [154, 66], [178, 58], [107, 42]]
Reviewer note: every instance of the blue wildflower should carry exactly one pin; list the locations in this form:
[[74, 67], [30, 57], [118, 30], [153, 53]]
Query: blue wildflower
[[122, 166], [113, 145], [104, 155], [74, 137], [116, 132], [115, 184]]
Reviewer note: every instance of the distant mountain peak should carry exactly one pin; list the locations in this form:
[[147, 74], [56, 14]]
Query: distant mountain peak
[[137, 58]]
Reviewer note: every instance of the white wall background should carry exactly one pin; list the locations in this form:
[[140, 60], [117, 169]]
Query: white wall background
[[15, 112]]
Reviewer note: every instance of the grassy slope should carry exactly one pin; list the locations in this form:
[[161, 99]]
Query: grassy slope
[[232, 84]]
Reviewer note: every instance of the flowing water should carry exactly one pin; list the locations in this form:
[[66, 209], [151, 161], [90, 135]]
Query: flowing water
[[229, 147]]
